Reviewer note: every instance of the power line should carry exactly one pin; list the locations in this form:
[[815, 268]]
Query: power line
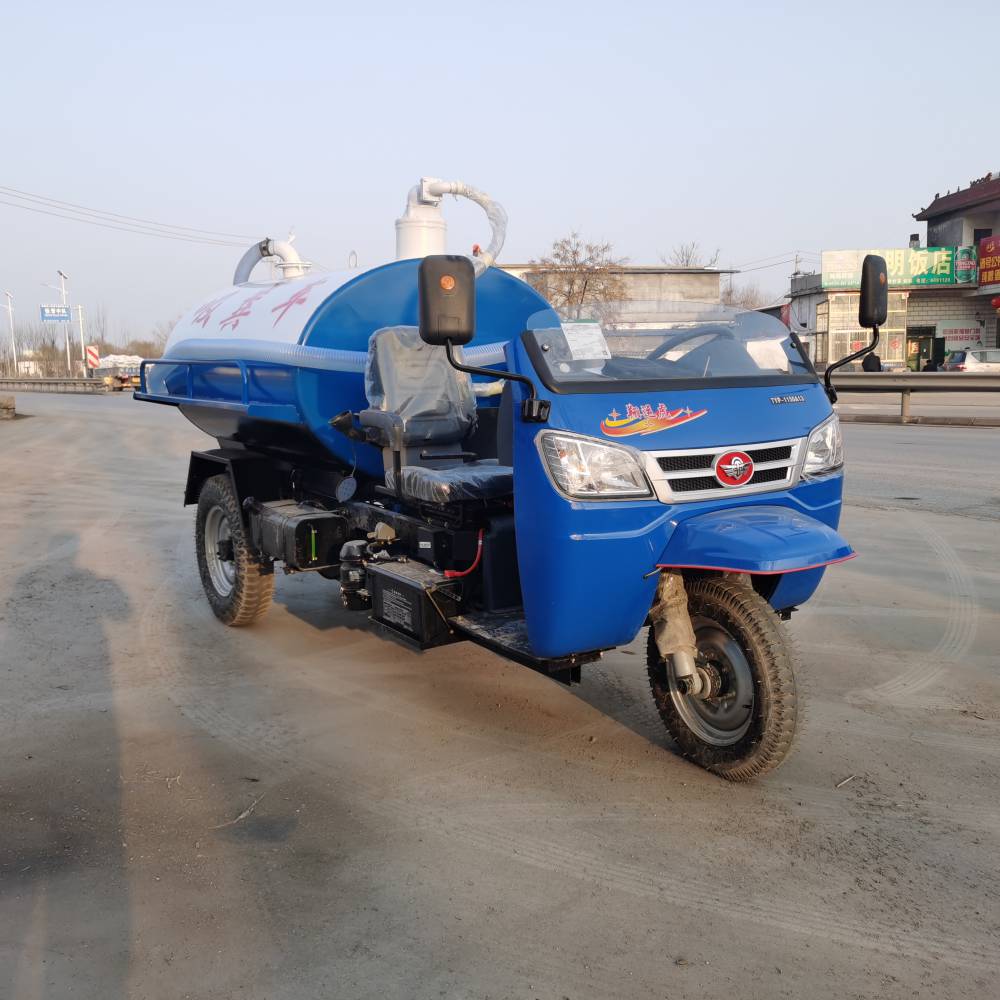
[[102, 213], [784, 253], [764, 267], [135, 230]]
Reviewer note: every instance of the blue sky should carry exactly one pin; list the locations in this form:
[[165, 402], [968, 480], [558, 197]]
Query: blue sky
[[757, 128]]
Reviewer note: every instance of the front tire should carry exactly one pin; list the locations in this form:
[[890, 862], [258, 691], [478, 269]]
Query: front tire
[[237, 588], [747, 726]]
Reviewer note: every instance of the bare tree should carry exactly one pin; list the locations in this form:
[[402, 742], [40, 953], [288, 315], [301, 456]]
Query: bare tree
[[99, 325], [45, 348], [748, 296], [576, 274], [152, 345], [691, 255], [161, 332]]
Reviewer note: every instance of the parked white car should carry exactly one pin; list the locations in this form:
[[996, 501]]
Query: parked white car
[[984, 360]]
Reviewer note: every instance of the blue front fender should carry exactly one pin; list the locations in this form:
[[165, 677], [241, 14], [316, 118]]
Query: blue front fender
[[761, 539]]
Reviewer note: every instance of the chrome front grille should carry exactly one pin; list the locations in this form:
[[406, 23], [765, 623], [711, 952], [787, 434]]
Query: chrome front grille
[[689, 474]]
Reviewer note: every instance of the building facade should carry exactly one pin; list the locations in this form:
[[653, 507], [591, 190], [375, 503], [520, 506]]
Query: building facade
[[940, 293]]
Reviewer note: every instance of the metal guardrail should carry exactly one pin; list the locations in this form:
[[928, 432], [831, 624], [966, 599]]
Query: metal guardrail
[[915, 382], [907, 382], [88, 385]]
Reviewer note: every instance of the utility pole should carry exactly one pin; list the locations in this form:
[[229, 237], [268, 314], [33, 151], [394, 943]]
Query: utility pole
[[10, 317], [62, 288], [83, 348]]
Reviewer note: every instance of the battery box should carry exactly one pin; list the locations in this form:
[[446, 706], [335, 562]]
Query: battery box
[[446, 546], [300, 536], [406, 601]]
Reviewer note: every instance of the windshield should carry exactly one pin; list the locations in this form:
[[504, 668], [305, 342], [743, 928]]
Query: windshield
[[664, 341]]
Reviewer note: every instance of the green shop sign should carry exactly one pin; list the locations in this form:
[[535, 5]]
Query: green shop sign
[[907, 268]]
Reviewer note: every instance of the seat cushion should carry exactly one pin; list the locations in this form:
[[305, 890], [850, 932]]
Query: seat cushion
[[474, 481]]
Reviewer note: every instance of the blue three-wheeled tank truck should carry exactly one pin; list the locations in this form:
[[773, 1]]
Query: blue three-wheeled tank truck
[[470, 464]]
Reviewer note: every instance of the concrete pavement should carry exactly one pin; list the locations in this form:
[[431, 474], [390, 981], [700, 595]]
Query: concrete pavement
[[302, 809]]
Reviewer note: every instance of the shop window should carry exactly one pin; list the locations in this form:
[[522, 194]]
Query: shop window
[[846, 337], [822, 334]]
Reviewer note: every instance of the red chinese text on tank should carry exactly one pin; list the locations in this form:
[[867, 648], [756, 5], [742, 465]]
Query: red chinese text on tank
[[297, 299], [204, 314], [242, 310]]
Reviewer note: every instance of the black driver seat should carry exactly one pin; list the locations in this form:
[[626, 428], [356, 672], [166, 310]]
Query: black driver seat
[[421, 410], [485, 480]]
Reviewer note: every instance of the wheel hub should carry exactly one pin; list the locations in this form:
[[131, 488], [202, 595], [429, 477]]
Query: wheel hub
[[712, 681], [219, 552], [722, 711]]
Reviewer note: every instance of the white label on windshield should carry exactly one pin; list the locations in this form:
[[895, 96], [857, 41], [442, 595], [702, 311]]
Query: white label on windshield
[[586, 341]]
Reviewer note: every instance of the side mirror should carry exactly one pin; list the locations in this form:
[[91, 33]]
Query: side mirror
[[874, 305], [447, 288], [872, 312], [446, 285]]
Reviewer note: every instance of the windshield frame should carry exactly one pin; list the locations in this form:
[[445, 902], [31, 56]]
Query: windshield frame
[[607, 386]]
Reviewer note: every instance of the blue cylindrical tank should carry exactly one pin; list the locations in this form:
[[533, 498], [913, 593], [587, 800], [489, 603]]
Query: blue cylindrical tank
[[268, 371]]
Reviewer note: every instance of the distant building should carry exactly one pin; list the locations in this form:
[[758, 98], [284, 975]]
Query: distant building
[[645, 285], [27, 365], [939, 293], [963, 217], [779, 309], [969, 220]]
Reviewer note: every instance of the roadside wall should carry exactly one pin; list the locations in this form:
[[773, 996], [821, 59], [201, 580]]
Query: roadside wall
[[928, 309], [653, 284]]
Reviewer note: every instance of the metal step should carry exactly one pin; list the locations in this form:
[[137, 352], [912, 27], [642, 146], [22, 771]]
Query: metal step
[[506, 632]]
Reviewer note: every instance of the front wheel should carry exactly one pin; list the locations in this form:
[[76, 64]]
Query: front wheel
[[743, 724]]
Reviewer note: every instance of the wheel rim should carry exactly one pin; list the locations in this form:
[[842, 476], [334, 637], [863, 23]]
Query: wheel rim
[[222, 572], [724, 719]]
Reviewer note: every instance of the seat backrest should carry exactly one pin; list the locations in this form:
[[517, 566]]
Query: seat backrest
[[412, 379]]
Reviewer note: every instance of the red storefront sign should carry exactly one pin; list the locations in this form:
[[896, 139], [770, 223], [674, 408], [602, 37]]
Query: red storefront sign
[[989, 261]]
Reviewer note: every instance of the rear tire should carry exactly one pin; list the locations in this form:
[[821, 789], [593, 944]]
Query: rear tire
[[237, 588], [749, 728]]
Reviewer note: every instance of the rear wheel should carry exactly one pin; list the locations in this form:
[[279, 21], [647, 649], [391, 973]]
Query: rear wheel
[[237, 588], [743, 724]]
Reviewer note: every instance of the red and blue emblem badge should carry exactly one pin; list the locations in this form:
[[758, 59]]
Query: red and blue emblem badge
[[734, 468], [646, 420]]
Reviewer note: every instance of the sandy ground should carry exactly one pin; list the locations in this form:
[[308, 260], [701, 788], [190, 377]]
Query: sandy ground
[[304, 810]]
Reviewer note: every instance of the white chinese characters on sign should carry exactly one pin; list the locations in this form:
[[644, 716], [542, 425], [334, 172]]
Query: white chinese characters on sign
[[960, 335]]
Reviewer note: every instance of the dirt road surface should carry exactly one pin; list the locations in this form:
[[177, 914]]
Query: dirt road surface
[[305, 810]]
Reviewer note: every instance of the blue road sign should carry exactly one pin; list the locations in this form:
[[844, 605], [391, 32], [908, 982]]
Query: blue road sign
[[55, 314]]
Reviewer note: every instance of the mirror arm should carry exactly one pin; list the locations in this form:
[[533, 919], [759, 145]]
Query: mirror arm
[[492, 373], [827, 381], [533, 409]]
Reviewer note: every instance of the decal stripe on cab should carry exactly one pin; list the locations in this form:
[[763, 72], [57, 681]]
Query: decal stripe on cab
[[645, 420]]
